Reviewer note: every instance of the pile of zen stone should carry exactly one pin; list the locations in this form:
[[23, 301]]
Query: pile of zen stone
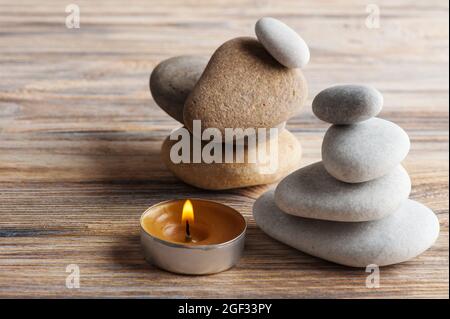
[[247, 83], [351, 208]]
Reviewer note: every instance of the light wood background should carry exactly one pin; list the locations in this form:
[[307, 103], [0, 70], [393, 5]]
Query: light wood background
[[80, 138]]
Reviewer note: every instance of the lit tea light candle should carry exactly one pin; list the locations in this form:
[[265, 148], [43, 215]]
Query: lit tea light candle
[[192, 236]]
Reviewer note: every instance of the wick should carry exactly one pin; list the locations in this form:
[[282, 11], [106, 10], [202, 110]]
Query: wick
[[188, 233]]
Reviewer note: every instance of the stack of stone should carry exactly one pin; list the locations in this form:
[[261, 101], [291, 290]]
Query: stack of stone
[[351, 208], [248, 83]]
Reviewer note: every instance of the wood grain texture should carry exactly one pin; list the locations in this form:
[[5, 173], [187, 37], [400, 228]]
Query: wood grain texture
[[80, 138]]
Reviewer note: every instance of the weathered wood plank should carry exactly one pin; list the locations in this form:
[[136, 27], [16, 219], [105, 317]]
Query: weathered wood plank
[[80, 138]]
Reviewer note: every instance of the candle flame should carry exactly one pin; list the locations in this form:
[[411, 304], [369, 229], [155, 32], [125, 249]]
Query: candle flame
[[188, 212]]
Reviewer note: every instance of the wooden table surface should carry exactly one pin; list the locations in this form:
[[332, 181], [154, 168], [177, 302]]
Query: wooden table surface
[[80, 138]]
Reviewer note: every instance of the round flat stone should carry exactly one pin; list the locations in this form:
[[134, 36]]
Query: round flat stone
[[400, 236], [311, 192], [364, 151], [220, 176], [283, 43], [173, 79], [347, 104]]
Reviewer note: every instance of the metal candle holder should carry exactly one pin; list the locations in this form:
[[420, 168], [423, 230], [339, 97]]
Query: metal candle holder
[[186, 258]]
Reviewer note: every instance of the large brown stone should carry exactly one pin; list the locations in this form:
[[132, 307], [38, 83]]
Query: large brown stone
[[243, 86], [219, 176]]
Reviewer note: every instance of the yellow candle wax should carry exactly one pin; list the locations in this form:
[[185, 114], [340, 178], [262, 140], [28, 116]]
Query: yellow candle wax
[[208, 223]]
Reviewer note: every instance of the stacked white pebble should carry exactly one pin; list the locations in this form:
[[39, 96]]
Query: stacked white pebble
[[352, 208]]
